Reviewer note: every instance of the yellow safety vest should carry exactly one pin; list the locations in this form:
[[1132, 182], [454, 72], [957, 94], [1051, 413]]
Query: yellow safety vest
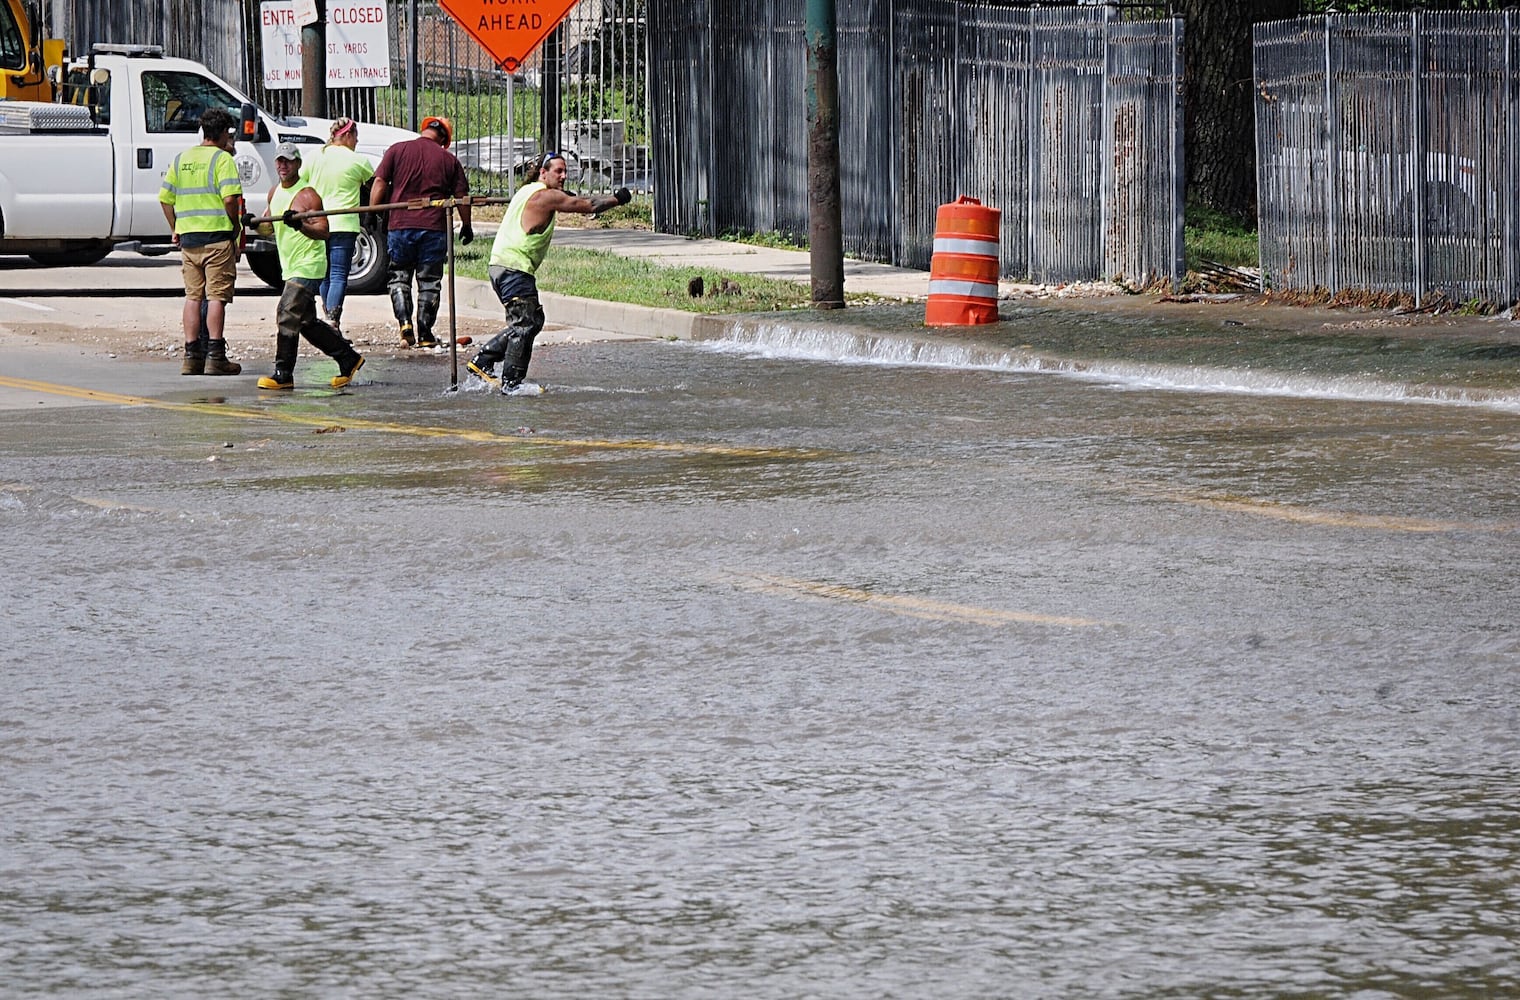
[[514, 249], [300, 255], [196, 184]]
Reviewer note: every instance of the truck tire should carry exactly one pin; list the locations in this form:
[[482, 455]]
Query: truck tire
[[369, 272], [266, 267], [371, 266], [82, 255]]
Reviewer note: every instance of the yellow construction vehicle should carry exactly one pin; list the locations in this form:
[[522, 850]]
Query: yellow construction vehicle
[[25, 53]]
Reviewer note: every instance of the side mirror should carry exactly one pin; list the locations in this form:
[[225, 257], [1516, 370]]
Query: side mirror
[[250, 119]]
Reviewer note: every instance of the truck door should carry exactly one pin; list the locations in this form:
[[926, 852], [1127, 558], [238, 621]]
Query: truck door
[[167, 122]]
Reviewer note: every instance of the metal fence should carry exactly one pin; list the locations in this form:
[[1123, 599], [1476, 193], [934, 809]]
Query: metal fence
[[582, 93], [1386, 155], [1068, 120], [590, 72]]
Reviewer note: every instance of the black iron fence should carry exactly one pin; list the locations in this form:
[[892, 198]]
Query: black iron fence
[[591, 71], [1068, 120], [1386, 156]]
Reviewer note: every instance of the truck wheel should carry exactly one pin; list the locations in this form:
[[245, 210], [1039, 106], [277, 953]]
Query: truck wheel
[[266, 267], [371, 266], [79, 256]]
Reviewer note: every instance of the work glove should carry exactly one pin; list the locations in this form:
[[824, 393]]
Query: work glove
[[249, 220], [289, 218], [623, 196], [466, 234]]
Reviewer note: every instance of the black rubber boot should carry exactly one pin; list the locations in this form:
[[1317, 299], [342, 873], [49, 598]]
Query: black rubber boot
[[399, 285], [429, 298], [284, 376], [490, 355]]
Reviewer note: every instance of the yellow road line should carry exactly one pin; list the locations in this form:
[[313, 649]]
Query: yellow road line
[[913, 607], [1334, 518], [1330, 518], [417, 430]]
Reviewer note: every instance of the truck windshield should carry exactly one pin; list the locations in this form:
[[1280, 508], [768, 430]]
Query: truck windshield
[[12, 45], [175, 101]]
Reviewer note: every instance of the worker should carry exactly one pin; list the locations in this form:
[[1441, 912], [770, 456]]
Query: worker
[[420, 169], [303, 264], [202, 198], [518, 250], [338, 173]]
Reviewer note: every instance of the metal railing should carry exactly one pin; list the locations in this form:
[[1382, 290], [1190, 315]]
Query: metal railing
[[1066, 119], [592, 64], [1386, 154]]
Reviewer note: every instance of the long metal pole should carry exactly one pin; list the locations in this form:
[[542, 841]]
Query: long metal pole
[[453, 322], [825, 240]]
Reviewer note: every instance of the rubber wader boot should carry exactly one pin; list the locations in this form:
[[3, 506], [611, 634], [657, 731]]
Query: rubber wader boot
[[284, 377], [216, 360], [195, 359]]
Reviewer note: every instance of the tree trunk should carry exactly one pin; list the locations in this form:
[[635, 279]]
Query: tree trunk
[[1220, 102]]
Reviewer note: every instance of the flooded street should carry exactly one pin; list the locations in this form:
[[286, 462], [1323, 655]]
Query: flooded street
[[759, 669]]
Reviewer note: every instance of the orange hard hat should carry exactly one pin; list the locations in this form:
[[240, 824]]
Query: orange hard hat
[[443, 125]]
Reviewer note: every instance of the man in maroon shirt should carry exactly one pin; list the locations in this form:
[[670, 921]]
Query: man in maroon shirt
[[420, 168]]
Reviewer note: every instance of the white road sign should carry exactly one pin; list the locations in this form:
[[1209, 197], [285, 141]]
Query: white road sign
[[358, 44]]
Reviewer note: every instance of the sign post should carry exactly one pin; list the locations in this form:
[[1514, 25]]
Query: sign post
[[509, 32]]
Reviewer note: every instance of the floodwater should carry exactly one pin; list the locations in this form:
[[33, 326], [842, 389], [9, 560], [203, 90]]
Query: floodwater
[[741, 670]]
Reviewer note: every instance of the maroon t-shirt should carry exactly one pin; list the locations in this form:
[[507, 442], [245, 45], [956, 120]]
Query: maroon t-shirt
[[420, 168]]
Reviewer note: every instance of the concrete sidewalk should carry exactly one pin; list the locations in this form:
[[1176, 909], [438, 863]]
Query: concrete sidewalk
[[742, 258], [678, 251]]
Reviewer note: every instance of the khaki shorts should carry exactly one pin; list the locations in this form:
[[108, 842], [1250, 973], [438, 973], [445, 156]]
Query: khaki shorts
[[210, 272]]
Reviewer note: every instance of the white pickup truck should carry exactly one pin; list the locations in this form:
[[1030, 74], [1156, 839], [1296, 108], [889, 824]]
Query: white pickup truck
[[80, 177]]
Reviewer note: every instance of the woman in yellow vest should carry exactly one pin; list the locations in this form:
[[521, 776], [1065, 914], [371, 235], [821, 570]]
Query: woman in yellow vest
[[303, 264], [338, 173], [520, 246]]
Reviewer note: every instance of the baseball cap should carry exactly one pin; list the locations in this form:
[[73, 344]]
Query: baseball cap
[[287, 151]]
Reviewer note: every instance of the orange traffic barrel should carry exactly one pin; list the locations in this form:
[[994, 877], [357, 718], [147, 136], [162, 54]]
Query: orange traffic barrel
[[963, 274]]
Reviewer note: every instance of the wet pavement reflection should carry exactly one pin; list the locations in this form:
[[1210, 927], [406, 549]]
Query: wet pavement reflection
[[717, 670]]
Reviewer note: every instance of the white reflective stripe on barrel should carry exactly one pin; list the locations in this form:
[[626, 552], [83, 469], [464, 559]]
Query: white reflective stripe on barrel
[[975, 248], [966, 289]]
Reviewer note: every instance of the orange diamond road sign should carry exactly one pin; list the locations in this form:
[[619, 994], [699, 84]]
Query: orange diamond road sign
[[508, 29]]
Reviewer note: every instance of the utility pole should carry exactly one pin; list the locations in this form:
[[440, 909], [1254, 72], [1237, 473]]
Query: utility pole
[[314, 64], [825, 240]]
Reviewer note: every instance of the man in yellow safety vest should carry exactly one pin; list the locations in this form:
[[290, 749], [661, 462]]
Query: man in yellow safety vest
[[203, 200]]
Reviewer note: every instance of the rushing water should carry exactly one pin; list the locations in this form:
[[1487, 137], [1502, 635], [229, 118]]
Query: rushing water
[[708, 674]]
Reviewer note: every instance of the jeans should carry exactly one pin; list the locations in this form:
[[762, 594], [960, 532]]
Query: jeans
[[340, 259], [416, 254], [410, 247]]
